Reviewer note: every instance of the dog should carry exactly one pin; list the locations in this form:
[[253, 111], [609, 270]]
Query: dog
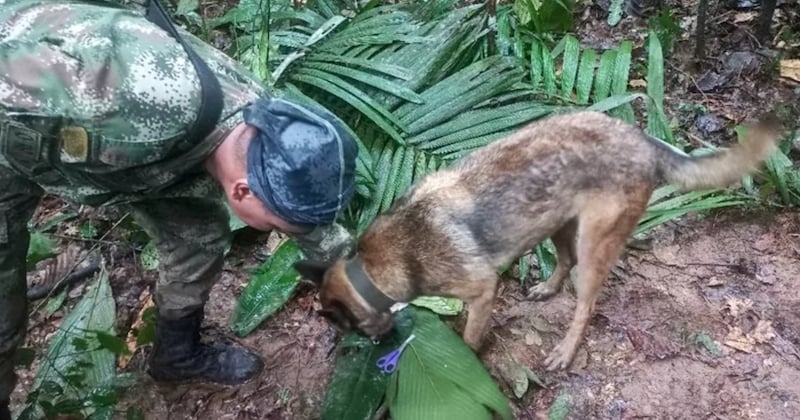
[[583, 179]]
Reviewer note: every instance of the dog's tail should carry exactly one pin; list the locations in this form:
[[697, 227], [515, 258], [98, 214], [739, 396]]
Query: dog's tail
[[723, 167]]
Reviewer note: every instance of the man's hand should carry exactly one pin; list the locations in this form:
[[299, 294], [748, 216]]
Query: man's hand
[[326, 243]]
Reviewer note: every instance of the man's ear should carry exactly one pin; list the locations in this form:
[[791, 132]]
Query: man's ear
[[240, 189], [312, 271]]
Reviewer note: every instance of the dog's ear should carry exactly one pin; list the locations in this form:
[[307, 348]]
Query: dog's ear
[[312, 271]]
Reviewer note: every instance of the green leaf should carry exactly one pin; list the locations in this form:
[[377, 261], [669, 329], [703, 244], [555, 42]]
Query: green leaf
[[619, 82], [78, 369], [354, 97], [549, 73], [605, 72], [569, 69], [149, 256], [54, 303], [560, 407], [186, 6], [88, 231], [440, 305], [112, 343], [524, 266], [325, 29], [657, 124], [583, 86], [383, 168], [439, 377], [537, 64], [147, 334], [357, 386], [375, 81], [615, 12], [399, 72], [613, 102], [41, 247], [664, 207], [546, 257], [270, 287]]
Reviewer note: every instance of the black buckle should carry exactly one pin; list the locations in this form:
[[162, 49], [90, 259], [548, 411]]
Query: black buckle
[[21, 146]]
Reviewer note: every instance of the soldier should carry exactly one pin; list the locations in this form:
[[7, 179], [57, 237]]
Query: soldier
[[101, 106]]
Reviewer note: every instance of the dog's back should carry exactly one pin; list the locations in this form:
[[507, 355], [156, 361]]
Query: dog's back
[[503, 199]]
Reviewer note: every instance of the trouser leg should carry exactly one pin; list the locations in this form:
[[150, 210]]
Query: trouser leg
[[18, 201]]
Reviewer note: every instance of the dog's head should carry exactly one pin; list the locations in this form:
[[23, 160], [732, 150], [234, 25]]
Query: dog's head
[[341, 303]]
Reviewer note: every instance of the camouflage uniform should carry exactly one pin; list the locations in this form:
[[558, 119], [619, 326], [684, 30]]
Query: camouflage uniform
[[94, 104]]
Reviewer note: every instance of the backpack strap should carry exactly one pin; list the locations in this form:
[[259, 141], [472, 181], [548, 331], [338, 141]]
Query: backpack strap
[[211, 93]]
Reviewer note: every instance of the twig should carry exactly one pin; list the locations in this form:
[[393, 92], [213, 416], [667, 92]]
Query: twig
[[80, 260]]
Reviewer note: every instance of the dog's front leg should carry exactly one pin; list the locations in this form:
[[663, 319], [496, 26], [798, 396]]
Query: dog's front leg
[[480, 309]]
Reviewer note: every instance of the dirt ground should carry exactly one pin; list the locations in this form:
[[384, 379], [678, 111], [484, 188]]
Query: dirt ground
[[703, 325]]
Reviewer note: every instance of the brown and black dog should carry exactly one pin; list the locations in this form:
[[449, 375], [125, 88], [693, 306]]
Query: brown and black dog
[[583, 179]]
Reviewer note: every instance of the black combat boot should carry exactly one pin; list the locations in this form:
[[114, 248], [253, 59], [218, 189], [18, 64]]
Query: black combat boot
[[5, 414], [178, 355]]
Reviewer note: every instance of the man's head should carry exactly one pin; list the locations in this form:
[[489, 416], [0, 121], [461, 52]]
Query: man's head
[[288, 167]]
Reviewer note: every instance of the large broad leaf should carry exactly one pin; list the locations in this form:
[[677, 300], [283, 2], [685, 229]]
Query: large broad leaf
[[271, 286], [439, 377], [358, 386], [77, 364], [440, 305]]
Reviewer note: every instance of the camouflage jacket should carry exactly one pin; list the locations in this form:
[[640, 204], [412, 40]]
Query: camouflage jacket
[[123, 81]]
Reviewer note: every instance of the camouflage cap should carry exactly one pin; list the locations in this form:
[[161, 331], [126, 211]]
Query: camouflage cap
[[301, 163]]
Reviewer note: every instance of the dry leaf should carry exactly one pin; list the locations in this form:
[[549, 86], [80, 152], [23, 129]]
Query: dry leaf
[[790, 69], [763, 332], [715, 281], [739, 341], [738, 306], [541, 325], [124, 359], [638, 83], [743, 17], [532, 338]]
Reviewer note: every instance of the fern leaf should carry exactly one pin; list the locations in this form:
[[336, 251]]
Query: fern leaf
[[602, 82], [353, 96], [366, 78], [583, 86], [619, 82], [537, 64], [569, 68]]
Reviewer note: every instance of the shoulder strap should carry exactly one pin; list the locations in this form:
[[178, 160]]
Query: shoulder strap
[[211, 93]]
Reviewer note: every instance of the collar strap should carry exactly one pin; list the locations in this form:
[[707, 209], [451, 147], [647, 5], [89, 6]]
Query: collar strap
[[365, 286]]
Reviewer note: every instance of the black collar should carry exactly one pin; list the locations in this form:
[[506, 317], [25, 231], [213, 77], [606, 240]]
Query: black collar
[[365, 287]]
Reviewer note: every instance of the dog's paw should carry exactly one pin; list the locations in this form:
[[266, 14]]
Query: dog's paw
[[560, 357], [541, 291]]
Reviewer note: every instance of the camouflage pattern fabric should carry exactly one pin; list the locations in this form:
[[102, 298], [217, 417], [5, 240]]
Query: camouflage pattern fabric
[[124, 81], [94, 105]]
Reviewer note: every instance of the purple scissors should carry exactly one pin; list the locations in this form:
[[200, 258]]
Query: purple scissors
[[387, 364]]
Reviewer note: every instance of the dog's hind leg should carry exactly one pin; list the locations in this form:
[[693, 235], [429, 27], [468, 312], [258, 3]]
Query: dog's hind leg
[[564, 241], [603, 228]]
